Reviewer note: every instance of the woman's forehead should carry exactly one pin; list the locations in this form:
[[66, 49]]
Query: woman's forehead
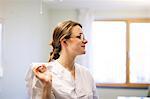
[[77, 30]]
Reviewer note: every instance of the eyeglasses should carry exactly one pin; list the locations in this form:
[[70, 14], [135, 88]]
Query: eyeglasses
[[81, 37]]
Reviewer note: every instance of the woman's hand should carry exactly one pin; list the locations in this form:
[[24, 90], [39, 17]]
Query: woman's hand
[[42, 73]]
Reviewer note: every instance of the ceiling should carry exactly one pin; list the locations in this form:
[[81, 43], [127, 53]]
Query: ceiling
[[92, 4], [98, 4]]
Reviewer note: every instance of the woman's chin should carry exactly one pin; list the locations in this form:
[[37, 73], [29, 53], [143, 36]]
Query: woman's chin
[[83, 52]]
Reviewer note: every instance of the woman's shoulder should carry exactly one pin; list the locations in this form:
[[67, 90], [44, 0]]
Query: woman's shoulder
[[81, 68], [51, 64]]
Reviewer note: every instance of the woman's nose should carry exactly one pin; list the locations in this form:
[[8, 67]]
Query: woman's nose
[[85, 41]]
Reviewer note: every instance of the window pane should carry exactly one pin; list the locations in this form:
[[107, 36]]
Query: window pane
[[140, 52], [109, 51]]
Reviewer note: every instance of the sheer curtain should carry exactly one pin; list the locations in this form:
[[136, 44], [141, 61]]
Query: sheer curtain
[[1, 70], [86, 17]]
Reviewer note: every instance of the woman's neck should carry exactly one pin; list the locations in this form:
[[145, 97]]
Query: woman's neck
[[67, 62]]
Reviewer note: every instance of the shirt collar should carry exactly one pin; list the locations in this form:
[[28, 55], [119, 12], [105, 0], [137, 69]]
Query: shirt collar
[[58, 68]]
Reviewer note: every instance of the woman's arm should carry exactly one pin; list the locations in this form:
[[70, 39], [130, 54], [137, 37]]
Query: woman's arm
[[47, 91], [45, 77]]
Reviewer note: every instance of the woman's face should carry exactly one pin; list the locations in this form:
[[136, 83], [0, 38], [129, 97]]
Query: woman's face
[[76, 42]]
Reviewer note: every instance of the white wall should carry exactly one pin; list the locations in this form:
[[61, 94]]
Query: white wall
[[1, 69], [25, 39], [1, 44], [122, 13], [58, 15]]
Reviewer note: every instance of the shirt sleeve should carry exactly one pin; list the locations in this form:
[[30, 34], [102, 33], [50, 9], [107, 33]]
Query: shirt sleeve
[[95, 95], [37, 89], [34, 86], [93, 84]]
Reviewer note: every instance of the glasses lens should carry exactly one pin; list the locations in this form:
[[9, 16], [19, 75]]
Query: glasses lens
[[81, 37]]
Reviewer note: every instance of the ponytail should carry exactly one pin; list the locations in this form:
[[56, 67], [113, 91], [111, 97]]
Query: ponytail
[[54, 54]]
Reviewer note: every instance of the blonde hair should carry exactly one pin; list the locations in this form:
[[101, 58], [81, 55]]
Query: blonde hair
[[62, 31]]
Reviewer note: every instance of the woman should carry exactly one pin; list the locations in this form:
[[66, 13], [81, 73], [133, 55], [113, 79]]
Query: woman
[[62, 78]]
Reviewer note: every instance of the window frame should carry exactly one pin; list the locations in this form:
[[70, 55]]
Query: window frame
[[127, 84]]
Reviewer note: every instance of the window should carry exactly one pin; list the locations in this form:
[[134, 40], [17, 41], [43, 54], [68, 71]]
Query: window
[[140, 52], [121, 53], [109, 51]]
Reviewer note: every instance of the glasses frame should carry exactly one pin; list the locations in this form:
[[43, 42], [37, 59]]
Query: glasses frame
[[81, 37]]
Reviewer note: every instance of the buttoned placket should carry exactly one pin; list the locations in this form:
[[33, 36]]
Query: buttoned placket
[[67, 76], [77, 83]]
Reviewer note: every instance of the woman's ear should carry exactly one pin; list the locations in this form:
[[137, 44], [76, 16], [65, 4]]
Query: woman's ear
[[63, 42]]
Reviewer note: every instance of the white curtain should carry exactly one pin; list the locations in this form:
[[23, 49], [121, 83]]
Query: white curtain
[[1, 69], [86, 17]]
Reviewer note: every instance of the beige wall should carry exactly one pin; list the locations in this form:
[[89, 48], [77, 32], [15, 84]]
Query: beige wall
[[1, 8]]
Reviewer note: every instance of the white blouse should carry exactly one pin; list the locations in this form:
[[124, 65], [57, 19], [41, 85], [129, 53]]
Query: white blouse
[[63, 84]]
